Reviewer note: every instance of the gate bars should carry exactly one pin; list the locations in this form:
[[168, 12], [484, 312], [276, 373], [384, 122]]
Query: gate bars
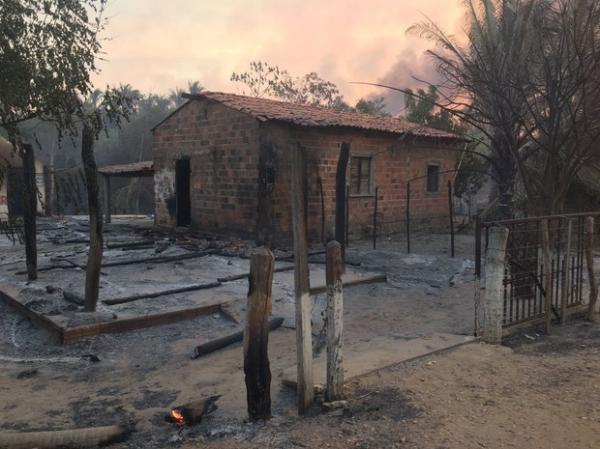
[[526, 288]]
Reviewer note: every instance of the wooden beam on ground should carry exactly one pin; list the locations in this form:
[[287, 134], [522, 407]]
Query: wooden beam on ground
[[257, 369], [128, 324], [223, 342], [235, 277], [67, 439], [118, 263], [304, 354], [9, 295], [335, 323], [172, 291], [366, 280]]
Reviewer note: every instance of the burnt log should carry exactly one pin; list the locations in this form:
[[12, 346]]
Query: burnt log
[[223, 342], [193, 412]]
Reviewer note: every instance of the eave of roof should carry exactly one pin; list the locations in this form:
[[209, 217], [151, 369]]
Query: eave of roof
[[316, 116]]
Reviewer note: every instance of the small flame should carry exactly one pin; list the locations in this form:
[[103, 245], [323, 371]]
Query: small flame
[[177, 416]]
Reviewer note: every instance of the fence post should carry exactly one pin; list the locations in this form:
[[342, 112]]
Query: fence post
[[375, 219], [305, 385], [477, 283], [566, 285], [408, 217], [547, 257], [341, 221], [335, 323], [256, 335], [495, 256], [451, 214], [589, 256]]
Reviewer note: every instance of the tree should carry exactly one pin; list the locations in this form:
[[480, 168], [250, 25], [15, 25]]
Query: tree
[[479, 80], [102, 109], [176, 95], [375, 106], [265, 80], [561, 89], [47, 52]]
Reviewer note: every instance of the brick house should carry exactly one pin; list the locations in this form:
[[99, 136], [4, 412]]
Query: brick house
[[221, 158]]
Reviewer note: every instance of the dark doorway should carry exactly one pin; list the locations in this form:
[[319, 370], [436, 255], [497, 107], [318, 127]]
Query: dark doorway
[[182, 192]]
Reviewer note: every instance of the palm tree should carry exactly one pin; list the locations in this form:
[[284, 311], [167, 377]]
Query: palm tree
[[479, 79]]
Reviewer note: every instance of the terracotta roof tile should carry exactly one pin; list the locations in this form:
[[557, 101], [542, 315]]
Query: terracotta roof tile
[[305, 115]]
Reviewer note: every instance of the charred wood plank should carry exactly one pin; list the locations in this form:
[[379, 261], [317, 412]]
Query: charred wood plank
[[173, 291], [223, 342]]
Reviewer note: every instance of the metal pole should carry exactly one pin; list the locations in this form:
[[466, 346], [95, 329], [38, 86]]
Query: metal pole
[[408, 217], [375, 219], [451, 214]]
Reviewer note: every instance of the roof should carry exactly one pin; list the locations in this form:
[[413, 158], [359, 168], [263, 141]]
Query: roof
[[144, 168], [264, 109]]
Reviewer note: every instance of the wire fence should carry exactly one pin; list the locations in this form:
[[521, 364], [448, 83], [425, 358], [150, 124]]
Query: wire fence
[[406, 218]]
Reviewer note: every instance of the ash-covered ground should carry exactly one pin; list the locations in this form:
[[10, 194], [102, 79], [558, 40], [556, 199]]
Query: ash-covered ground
[[138, 376]]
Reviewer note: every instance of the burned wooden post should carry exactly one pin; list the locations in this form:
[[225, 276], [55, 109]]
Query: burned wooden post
[[29, 210], [589, 257], [451, 216], [266, 182], [566, 284], [408, 217], [495, 256], [305, 389], [340, 196], [335, 323], [92, 275], [547, 257], [256, 335], [375, 219], [107, 198]]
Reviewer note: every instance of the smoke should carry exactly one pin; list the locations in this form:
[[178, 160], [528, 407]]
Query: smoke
[[405, 72]]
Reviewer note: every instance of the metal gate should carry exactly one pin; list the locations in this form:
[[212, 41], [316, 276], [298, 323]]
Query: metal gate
[[524, 283]]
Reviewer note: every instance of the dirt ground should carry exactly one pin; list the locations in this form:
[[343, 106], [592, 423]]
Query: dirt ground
[[475, 396], [535, 392]]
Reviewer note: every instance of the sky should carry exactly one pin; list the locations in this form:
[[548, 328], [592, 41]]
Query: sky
[[157, 45]]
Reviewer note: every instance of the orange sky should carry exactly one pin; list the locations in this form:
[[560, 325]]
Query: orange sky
[[156, 45]]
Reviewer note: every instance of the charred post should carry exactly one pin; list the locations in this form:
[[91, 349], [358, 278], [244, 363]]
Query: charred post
[[340, 196], [92, 275], [29, 210], [256, 335]]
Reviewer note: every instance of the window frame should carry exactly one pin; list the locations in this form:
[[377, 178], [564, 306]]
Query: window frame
[[371, 190], [438, 165]]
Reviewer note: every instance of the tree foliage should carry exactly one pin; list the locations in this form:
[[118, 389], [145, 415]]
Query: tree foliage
[[527, 80], [48, 50]]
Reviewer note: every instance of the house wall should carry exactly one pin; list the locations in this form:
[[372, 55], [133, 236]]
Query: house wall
[[222, 145], [394, 162]]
